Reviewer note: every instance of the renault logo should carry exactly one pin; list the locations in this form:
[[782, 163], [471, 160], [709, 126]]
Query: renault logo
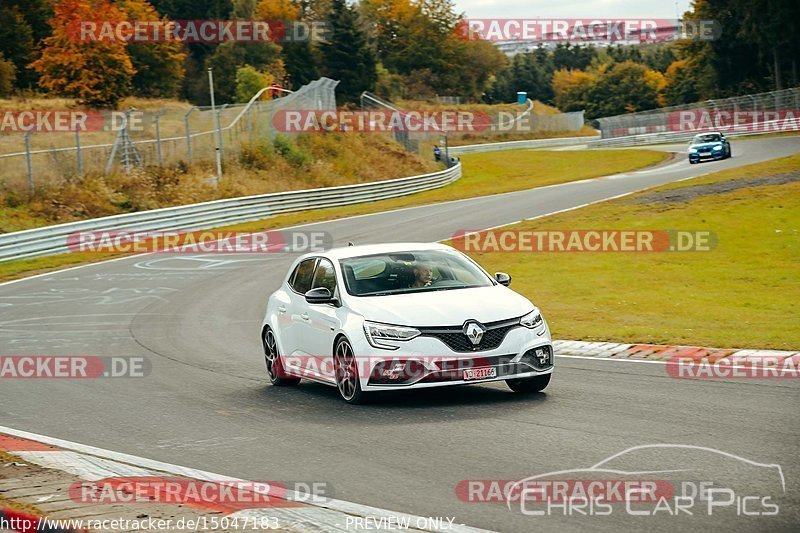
[[474, 332]]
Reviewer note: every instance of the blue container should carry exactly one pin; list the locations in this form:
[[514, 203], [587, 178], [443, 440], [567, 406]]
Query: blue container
[[522, 98]]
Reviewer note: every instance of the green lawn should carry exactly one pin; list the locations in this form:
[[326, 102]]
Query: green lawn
[[742, 294], [490, 173]]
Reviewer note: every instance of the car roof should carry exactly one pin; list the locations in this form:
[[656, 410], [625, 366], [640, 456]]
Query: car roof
[[372, 249]]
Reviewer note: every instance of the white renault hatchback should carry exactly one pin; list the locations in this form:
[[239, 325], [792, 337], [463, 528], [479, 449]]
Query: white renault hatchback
[[402, 316]]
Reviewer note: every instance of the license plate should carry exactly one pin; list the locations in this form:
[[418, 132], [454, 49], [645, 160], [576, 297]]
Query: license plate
[[480, 373]]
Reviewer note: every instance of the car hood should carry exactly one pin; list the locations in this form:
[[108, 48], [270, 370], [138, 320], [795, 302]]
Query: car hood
[[705, 145], [443, 308]]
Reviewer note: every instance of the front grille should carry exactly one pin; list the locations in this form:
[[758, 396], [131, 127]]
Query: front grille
[[454, 338]]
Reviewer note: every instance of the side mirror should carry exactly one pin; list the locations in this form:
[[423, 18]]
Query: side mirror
[[320, 295], [502, 278]]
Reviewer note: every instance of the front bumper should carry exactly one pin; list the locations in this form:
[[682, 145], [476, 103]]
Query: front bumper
[[427, 361], [707, 156]]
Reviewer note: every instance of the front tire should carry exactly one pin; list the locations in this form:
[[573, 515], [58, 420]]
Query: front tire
[[346, 371], [275, 371], [529, 385]]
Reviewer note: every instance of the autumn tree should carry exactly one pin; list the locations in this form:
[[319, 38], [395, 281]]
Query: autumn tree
[[7, 76], [681, 87], [98, 73], [625, 87], [301, 58], [572, 88], [249, 81]]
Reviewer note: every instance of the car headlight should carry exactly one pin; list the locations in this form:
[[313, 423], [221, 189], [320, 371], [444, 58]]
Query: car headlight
[[717, 148], [376, 333], [532, 320], [692, 150]]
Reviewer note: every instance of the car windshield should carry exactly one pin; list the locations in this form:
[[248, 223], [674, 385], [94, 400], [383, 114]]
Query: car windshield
[[407, 272], [706, 138]]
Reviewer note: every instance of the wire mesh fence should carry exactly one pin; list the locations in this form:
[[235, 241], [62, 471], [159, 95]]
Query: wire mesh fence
[[752, 109], [165, 137], [482, 124]]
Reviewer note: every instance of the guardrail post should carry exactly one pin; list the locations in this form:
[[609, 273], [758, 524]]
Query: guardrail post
[[30, 164]]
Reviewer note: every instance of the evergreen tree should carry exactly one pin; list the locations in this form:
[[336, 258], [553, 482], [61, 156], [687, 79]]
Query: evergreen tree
[[347, 56], [159, 65], [16, 43]]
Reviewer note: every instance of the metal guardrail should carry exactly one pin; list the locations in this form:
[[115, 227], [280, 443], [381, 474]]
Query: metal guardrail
[[681, 136], [53, 239], [520, 145]]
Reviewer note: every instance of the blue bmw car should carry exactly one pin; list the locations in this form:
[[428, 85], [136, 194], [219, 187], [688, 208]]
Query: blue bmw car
[[712, 145]]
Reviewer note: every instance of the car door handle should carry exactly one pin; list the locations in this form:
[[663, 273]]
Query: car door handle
[[282, 308], [304, 316]]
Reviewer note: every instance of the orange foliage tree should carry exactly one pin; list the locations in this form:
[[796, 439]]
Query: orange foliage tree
[[99, 72]]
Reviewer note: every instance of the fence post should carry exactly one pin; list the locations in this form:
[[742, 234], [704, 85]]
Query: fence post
[[78, 153], [158, 137], [217, 147], [188, 134], [219, 129], [30, 164]]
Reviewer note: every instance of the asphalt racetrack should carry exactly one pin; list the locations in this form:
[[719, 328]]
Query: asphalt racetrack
[[207, 403]]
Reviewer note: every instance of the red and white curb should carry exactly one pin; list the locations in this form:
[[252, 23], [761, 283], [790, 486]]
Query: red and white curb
[[661, 353], [91, 463]]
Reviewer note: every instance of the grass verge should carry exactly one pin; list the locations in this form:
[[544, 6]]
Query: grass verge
[[513, 170], [742, 294]]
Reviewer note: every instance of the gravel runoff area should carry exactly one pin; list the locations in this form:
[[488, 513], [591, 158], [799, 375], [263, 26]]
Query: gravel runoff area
[[689, 193]]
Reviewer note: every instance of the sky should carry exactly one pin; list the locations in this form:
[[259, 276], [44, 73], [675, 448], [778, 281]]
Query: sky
[[578, 9]]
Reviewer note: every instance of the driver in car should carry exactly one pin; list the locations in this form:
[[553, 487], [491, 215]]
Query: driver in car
[[423, 276]]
